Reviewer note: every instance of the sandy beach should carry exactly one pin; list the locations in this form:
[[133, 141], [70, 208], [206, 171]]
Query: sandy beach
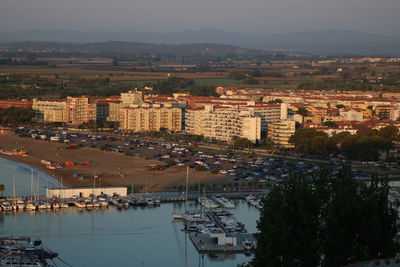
[[112, 168]]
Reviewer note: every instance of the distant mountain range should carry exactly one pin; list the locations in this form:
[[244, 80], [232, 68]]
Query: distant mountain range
[[327, 42], [124, 49]]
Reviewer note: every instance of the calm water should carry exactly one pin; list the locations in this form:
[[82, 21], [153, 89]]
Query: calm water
[[108, 237], [23, 175]]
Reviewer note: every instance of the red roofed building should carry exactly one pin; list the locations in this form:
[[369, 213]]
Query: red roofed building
[[15, 103]]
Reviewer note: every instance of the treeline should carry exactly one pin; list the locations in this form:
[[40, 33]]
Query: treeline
[[365, 145], [22, 62], [175, 85], [242, 75], [14, 115], [18, 87], [390, 83], [327, 220]]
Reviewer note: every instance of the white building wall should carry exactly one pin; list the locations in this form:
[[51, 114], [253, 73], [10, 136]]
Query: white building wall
[[86, 192]]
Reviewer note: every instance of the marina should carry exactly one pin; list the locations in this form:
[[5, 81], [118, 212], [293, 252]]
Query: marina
[[137, 225], [22, 251], [133, 232]]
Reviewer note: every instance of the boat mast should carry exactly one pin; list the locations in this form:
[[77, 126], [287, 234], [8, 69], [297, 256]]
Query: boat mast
[[31, 185], [94, 182], [14, 188], [187, 183]]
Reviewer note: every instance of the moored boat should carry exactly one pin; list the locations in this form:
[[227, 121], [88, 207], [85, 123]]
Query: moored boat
[[20, 205], [80, 204], [30, 206], [6, 206]]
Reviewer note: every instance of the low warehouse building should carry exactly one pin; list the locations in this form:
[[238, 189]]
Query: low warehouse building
[[85, 192]]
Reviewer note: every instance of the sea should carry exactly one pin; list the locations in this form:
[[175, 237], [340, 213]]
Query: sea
[[142, 237]]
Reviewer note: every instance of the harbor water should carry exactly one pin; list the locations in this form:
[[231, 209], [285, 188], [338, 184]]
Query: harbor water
[[28, 181], [110, 237]]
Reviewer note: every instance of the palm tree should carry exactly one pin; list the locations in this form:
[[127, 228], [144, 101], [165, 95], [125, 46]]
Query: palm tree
[[2, 188]]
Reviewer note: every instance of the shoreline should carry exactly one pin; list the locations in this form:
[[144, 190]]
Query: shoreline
[[112, 168]]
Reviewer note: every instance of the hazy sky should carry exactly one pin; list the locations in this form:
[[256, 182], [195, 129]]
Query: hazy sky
[[267, 16]]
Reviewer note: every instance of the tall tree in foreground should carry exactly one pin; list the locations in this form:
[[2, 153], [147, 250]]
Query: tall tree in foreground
[[321, 221]]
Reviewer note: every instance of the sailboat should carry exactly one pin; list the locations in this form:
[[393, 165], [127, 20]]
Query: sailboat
[[63, 204], [30, 205], [14, 203], [183, 216]]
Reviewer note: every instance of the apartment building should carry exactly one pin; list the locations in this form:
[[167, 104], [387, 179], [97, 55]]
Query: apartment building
[[116, 108], [151, 118], [223, 123], [268, 114], [132, 97], [80, 110], [280, 132], [349, 114], [102, 110], [50, 110]]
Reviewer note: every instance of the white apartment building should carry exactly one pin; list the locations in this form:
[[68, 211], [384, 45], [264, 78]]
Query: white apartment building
[[223, 123], [50, 110], [132, 97], [280, 132], [80, 110], [151, 118], [268, 114], [349, 114]]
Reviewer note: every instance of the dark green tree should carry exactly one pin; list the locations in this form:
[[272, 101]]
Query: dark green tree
[[330, 124], [303, 112], [326, 221]]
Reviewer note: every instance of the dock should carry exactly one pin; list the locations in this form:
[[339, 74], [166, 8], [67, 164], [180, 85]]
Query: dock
[[204, 243]]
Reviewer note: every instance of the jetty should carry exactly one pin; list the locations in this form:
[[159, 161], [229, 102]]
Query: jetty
[[220, 242]]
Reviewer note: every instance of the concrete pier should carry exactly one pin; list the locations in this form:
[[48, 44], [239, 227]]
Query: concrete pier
[[205, 244]]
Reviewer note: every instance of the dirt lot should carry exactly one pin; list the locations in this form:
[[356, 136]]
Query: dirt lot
[[112, 168]]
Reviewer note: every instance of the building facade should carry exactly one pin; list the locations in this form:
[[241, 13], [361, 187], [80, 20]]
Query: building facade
[[80, 110], [223, 123], [50, 110], [151, 118], [280, 132]]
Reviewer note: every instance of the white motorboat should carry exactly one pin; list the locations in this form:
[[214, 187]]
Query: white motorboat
[[103, 202], [247, 245], [178, 216], [207, 203], [30, 206], [42, 206], [20, 204], [80, 204], [56, 204], [150, 201], [224, 202], [6, 206], [64, 205]]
